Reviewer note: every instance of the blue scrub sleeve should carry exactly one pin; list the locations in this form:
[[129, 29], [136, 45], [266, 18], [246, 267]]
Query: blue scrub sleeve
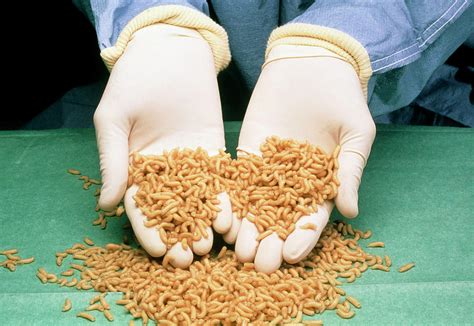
[[394, 32], [110, 17]]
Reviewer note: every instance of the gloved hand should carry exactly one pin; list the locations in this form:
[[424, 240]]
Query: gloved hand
[[308, 94], [161, 94]]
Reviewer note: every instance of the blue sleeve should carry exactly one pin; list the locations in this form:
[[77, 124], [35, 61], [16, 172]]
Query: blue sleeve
[[110, 17], [394, 32]]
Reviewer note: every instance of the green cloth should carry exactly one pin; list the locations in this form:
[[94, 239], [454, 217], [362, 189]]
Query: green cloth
[[416, 196]]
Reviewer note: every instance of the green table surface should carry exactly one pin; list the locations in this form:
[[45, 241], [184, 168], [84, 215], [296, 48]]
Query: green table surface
[[417, 196]]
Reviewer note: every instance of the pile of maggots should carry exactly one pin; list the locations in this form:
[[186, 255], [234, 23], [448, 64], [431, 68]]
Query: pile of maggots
[[177, 191], [219, 289], [289, 180]]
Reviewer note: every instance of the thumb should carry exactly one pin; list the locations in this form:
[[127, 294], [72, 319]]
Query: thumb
[[352, 160], [112, 140]]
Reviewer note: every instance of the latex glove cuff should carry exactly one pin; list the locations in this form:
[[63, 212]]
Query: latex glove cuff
[[287, 51]]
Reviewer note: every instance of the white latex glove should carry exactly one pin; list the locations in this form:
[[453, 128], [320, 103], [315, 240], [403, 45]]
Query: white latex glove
[[161, 94], [307, 94]]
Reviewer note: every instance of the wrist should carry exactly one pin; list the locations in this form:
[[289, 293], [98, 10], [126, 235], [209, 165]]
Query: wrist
[[185, 43], [340, 43], [161, 45], [290, 51], [179, 16], [161, 30]]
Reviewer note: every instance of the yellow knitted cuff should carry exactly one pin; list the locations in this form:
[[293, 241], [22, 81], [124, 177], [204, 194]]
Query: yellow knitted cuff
[[331, 39], [181, 16]]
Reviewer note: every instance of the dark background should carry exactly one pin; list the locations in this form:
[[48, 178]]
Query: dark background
[[54, 48]]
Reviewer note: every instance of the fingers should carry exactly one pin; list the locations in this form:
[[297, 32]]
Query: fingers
[[179, 257], [246, 243], [112, 140], [204, 245], [150, 240], [223, 221], [352, 160], [269, 254], [350, 173], [147, 237], [231, 236], [301, 241]]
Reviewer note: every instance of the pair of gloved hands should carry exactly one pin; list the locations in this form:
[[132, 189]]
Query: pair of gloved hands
[[163, 94]]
